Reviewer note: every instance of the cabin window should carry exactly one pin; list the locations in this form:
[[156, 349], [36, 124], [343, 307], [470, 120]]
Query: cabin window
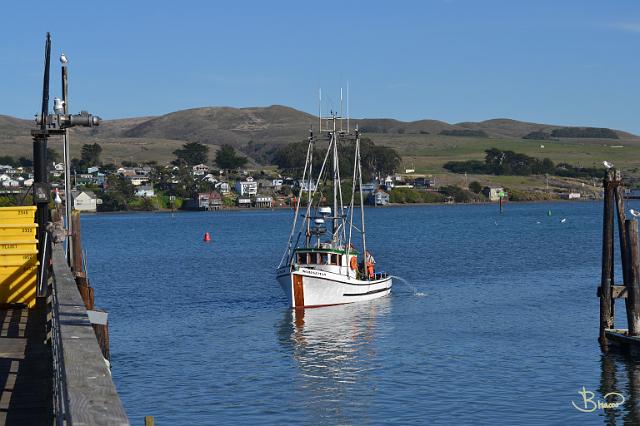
[[324, 259], [302, 259]]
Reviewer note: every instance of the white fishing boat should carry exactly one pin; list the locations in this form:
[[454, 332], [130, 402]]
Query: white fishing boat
[[326, 261]]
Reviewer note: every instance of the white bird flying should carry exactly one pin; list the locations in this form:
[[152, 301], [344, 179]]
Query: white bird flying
[[634, 213], [63, 59], [563, 220], [607, 164]]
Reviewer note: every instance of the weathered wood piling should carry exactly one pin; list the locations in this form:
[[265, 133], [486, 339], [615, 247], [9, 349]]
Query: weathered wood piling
[[627, 339]]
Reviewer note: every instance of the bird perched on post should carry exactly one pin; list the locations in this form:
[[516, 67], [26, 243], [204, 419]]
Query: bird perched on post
[[63, 59], [634, 213], [607, 164]]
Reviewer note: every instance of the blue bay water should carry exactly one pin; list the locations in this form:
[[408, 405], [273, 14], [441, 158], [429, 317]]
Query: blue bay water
[[504, 330]]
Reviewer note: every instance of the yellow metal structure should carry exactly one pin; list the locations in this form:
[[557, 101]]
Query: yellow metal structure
[[18, 255]]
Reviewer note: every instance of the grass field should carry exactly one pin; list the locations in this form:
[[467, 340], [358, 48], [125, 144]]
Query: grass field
[[429, 152]]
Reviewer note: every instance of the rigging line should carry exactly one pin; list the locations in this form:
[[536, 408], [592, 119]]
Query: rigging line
[[340, 193], [324, 162], [287, 250], [364, 241], [353, 195]]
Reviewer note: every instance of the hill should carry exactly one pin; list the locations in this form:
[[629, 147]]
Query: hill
[[427, 144]]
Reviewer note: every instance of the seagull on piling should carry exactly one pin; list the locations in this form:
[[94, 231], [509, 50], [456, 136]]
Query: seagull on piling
[[63, 59], [607, 164], [634, 213]]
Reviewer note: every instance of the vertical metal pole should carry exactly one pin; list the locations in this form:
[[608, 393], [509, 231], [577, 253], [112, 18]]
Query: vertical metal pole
[[334, 140], [67, 168], [40, 167]]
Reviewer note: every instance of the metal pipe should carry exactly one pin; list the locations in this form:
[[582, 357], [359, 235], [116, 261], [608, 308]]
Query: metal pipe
[[67, 167]]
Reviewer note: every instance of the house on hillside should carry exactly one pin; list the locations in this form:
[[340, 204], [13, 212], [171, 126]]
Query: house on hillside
[[85, 201], [493, 192], [200, 169], [244, 202], [222, 187], [210, 200], [263, 201], [145, 191], [247, 187], [378, 198]]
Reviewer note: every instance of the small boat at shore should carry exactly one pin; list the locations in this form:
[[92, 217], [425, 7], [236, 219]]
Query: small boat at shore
[[326, 261]]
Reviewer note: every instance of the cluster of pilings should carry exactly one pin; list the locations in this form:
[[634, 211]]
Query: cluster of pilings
[[608, 291]]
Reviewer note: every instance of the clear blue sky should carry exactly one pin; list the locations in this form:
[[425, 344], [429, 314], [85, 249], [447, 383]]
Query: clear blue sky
[[563, 62]]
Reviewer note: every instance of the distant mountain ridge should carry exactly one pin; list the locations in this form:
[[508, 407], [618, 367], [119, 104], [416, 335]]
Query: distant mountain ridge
[[267, 126]]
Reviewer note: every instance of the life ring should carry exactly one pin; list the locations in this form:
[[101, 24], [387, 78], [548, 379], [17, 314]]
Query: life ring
[[354, 263]]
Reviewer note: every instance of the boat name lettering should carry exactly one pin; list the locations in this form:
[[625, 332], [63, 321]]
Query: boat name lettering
[[312, 272]]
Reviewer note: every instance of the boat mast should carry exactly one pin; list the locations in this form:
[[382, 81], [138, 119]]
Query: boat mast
[[310, 159], [334, 141], [364, 240]]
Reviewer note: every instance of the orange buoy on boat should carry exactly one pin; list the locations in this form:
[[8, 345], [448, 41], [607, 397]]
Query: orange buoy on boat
[[207, 237], [354, 263]]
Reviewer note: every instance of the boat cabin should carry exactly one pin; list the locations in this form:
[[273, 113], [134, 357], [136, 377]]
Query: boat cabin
[[316, 257]]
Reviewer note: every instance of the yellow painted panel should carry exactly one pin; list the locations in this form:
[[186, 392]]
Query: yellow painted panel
[[17, 231], [17, 272], [18, 290], [22, 214], [17, 245], [17, 258]]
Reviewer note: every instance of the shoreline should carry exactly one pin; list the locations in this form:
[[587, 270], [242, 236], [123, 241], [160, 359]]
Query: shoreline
[[390, 205]]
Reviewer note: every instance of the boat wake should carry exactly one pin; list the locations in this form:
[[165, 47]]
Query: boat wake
[[413, 288]]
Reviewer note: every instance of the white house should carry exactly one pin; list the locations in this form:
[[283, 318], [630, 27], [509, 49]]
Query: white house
[[85, 201], [7, 183], [200, 169], [304, 185], [223, 187], [139, 180], [145, 191], [277, 184], [209, 178], [493, 192], [247, 187]]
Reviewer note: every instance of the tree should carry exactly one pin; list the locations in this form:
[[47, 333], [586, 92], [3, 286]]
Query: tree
[[53, 155], [227, 159], [191, 153], [475, 187], [90, 154], [8, 161]]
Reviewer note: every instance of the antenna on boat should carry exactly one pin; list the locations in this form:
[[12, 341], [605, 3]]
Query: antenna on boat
[[320, 109], [348, 106], [341, 115]]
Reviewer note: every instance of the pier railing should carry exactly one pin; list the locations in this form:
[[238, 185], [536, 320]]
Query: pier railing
[[84, 392]]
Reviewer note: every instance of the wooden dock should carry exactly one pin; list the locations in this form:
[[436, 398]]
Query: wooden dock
[[54, 351], [611, 337], [25, 367]]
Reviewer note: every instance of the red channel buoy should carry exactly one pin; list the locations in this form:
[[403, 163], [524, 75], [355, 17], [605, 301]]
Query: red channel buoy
[[207, 237]]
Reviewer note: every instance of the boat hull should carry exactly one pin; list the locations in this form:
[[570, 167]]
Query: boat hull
[[309, 288]]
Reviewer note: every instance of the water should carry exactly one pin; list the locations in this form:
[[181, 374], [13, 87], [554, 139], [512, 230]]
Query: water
[[506, 334]]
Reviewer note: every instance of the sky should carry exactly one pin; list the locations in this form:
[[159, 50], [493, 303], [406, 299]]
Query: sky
[[563, 62]]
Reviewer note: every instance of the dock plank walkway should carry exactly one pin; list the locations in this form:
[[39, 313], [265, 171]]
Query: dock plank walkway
[[25, 368]]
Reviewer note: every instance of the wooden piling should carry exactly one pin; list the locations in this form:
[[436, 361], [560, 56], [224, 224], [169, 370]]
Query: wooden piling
[[148, 420], [622, 235], [633, 284], [76, 242], [606, 302]]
